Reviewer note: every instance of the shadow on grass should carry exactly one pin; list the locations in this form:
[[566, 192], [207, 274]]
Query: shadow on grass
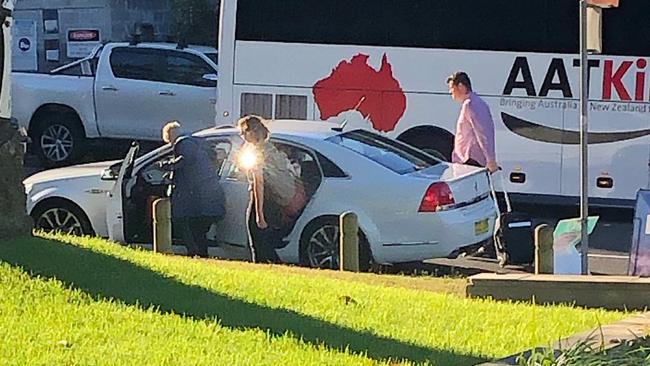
[[106, 277]]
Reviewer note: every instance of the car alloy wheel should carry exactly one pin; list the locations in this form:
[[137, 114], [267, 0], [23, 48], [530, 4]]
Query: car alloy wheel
[[59, 219], [57, 142], [323, 247]]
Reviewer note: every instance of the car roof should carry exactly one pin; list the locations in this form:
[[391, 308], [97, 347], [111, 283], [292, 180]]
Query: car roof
[[319, 130], [168, 46]]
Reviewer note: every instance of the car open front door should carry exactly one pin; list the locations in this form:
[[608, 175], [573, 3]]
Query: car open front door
[[115, 218]]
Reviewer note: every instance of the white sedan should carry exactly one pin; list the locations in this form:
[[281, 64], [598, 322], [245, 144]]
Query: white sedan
[[410, 205]]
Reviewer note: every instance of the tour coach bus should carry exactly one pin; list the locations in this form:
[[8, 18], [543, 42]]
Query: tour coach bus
[[383, 64]]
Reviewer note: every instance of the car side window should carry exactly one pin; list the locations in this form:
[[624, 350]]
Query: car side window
[[330, 169], [136, 63], [219, 150], [155, 175], [303, 165], [231, 169], [187, 69]]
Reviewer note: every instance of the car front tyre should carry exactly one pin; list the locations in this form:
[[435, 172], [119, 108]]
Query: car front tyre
[[61, 217]]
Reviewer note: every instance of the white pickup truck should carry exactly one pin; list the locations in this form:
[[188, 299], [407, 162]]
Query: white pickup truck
[[120, 90]]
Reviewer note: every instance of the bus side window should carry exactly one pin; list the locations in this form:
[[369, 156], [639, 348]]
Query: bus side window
[[257, 104], [290, 107]]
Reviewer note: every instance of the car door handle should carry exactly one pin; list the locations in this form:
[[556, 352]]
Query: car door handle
[[213, 100], [168, 93], [109, 88]]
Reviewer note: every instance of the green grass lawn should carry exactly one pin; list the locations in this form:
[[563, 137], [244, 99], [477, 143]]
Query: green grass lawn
[[81, 301]]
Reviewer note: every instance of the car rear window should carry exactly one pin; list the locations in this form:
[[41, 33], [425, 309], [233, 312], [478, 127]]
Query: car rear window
[[396, 156]]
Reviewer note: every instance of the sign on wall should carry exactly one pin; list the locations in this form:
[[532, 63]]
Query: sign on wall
[[52, 52], [24, 55], [82, 41]]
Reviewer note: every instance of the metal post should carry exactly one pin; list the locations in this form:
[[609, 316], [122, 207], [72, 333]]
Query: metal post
[[544, 260], [349, 248], [162, 226], [584, 147]]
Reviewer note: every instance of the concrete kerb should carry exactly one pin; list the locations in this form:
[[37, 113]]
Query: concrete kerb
[[608, 335], [609, 292]]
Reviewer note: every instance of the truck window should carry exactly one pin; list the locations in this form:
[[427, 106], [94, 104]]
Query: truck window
[[188, 69], [136, 63], [72, 71], [93, 64], [213, 56]]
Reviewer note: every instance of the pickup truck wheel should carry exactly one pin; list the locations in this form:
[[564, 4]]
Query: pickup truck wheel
[[58, 140]]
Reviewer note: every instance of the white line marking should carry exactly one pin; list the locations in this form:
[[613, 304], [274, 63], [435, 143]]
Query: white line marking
[[611, 256]]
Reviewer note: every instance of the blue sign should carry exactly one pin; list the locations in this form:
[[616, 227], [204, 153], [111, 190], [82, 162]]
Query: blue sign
[[24, 44], [567, 236], [640, 253]]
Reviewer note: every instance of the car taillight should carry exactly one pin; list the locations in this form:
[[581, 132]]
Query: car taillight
[[437, 196]]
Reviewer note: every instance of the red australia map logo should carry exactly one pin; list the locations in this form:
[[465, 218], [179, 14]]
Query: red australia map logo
[[355, 85]]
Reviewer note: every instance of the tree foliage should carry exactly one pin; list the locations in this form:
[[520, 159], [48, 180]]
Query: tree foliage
[[196, 21]]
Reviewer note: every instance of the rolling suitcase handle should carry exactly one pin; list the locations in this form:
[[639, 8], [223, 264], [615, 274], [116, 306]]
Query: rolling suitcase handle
[[505, 192], [501, 254], [516, 224]]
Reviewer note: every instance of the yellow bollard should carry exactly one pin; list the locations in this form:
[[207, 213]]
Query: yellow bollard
[[162, 226], [349, 242], [543, 249]]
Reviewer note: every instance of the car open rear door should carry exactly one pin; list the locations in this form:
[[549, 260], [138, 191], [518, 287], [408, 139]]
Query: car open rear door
[[115, 209], [231, 232]]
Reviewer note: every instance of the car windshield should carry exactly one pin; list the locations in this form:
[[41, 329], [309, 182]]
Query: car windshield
[[396, 156]]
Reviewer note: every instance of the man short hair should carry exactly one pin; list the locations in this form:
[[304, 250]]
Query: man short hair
[[168, 129], [460, 77]]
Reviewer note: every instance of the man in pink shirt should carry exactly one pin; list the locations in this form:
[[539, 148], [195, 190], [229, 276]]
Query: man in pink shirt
[[474, 141]]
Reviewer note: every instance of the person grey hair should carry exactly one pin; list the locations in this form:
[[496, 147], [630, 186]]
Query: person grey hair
[[198, 200]]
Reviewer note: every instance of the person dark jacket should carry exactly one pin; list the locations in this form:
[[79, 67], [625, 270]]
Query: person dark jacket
[[197, 191]]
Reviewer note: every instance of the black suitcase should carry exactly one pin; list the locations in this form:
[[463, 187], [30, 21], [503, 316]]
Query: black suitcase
[[513, 238], [514, 241]]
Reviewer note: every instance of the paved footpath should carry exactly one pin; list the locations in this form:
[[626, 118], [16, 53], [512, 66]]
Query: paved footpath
[[610, 335]]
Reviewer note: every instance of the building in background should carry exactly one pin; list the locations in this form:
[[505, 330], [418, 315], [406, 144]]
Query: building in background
[[49, 33]]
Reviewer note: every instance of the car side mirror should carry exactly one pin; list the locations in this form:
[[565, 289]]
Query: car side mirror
[[108, 174]]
